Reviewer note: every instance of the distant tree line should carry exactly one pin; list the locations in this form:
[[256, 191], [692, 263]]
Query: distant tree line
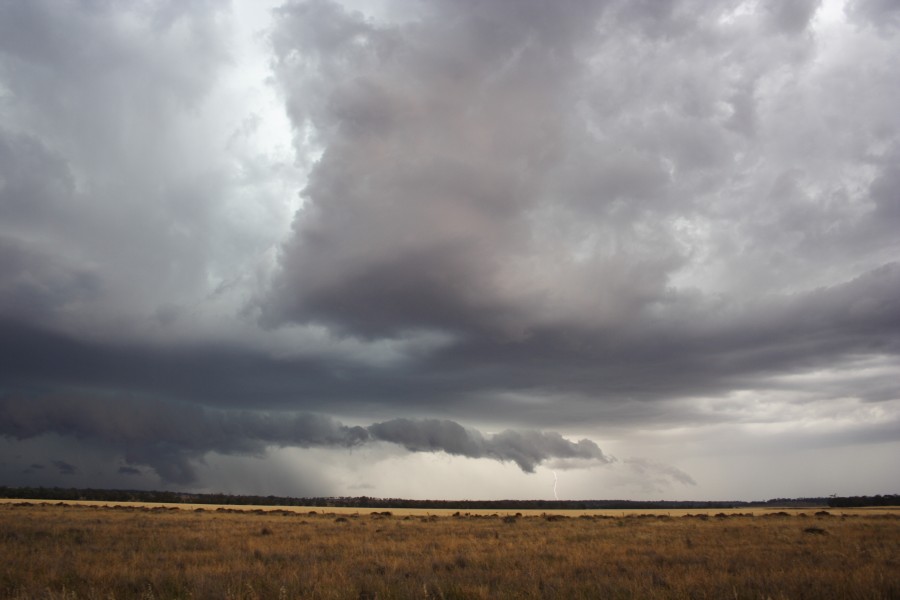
[[857, 501], [103, 495], [64, 494]]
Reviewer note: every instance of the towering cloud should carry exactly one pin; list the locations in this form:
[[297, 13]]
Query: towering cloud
[[510, 170], [462, 186]]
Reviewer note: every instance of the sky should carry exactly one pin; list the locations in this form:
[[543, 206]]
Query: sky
[[451, 249]]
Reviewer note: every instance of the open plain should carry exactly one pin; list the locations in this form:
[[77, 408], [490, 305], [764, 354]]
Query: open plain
[[142, 551]]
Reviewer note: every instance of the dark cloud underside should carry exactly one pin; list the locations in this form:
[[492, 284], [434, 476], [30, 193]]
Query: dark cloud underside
[[169, 436]]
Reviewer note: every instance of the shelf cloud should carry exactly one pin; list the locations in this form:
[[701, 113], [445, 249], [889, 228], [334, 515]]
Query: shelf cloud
[[168, 437]]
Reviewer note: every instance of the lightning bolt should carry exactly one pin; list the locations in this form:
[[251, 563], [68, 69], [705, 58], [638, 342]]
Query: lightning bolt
[[555, 481]]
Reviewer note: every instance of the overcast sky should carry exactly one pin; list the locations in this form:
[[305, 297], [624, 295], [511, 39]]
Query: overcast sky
[[451, 248]]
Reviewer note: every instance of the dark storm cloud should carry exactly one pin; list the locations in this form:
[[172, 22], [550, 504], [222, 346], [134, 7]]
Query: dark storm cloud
[[35, 284], [791, 16], [525, 448], [710, 349], [495, 173], [64, 468], [589, 213], [166, 435], [99, 210], [883, 14], [169, 436], [433, 161]]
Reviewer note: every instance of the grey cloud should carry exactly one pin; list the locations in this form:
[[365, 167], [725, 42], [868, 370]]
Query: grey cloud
[[97, 162], [525, 448], [50, 34], [26, 198], [165, 436], [655, 474], [64, 468], [791, 16], [511, 173], [418, 215], [702, 347], [169, 436], [883, 193], [529, 448], [35, 284], [883, 14], [536, 183], [429, 436]]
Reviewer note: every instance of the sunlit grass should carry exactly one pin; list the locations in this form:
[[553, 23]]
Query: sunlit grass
[[54, 551]]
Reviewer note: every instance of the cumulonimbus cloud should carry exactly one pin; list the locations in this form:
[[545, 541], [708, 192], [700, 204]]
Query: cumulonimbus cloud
[[167, 436]]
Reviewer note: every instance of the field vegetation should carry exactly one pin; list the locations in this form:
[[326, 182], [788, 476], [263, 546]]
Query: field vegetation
[[70, 551]]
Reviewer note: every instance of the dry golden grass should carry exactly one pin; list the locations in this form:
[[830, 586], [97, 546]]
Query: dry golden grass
[[52, 551]]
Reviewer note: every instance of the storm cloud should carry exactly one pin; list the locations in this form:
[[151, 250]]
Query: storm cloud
[[232, 228], [498, 170], [168, 437]]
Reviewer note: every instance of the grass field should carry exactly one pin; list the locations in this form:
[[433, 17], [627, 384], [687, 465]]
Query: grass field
[[83, 551]]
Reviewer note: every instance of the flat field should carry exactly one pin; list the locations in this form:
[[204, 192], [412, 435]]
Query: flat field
[[88, 551]]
